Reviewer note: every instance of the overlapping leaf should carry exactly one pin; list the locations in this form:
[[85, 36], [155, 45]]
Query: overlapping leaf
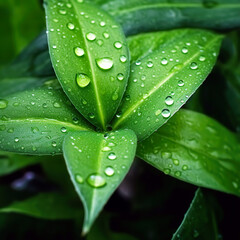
[[36, 121], [97, 164], [195, 148], [90, 57], [162, 81]]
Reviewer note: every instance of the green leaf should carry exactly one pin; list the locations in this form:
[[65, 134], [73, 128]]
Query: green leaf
[[10, 163], [46, 206], [162, 81], [199, 221], [162, 14], [90, 57], [97, 164], [36, 121], [195, 148]]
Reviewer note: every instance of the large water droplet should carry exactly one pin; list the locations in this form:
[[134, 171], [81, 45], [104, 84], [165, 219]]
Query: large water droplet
[[56, 105], [106, 35], [149, 64], [193, 65], [112, 156], [79, 178], [91, 36], [109, 171], [164, 61], [63, 130], [16, 140], [82, 80], [202, 58], [91, 115], [123, 59], [104, 63], [180, 83], [62, 11], [70, 26], [3, 103], [118, 45], [184, 50], [166, 113], [79, 51], [106, 149], [96, 180], [120, 76], [169, 100]]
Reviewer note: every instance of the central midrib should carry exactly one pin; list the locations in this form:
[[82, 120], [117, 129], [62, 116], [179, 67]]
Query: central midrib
[[170, 5], [131, 109], [99, 105]]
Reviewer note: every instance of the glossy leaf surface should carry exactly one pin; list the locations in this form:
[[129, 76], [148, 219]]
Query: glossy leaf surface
[[195, 148], [10, 163], [199, 221], [36, 121], [163, 14], [162, 81], [45, 205], [90, 57], [97, 164]]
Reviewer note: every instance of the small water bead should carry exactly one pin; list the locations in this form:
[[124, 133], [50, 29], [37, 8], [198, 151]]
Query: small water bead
[[149, 64], [177, 173], [2, 127], [3, 103], [109, 171], [100, 42], [112, 156], [35, 129], [123, 59], [82, 80], [91, 115], [96, 180], [202, 58], [235, 185], [180, 83], [184, 167], [166, 113], [105, 63], [79, 178], [158, 112], [138, 63], [16, 140], [80, 1], [176, 162], [56, 105], [63, 130], [70, 26], [106, 35], [164, 61], [115, 96], [169, 100], [91, 36], [69, 5], [167, 171], [79, 51], [184, 50], [62, 11], [10, 130], [118, 45], [102, 24], [193, 65], [54, 144], [54, 46], [106, 149], [120, 76]]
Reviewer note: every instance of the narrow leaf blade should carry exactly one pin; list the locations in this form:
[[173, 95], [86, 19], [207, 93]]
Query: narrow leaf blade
[[90, 57], [195, 148], [162, 81], [36, 121], [97, 163]]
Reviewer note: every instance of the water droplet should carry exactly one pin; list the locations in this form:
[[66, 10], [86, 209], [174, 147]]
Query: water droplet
[[184, 50], [109, 171], [10, 130], [120, 76], [69, 5], [112, 156], [106, 35], [177, 173], [16, 140], [82, 80], [195, 233], [54, 46], [91, 36], [169, 100], [115, 96], [180, 83], [158, 112], [176, 162], [164, 61], [118, 45], [123, 59], [79, 51], [56, 105], [193, 65], [2, 127], [100, 42], [106, 149], [105, 63], [184, 167], [63, 130], [79, 178], [91, 115], [166, 171], [149, 64], [202, 58], [70, 26], [35, 129], [96, 180], [235, 185], [62, 11], [102, 24], [54, 144], [3, 103], [166, 113]]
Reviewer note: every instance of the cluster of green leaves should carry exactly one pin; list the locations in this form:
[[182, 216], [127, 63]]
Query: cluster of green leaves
[[108, 97]]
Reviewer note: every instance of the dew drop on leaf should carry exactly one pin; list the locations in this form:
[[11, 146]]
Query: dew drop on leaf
[[100, 42], [158, 112], [235, 185], [35, 129], [16, 140], [96, 180], [184, 167], [91, 115], [3, 103], [79, 51], [2, 127], [112, 156], [105, 63], [10, 130], [62, 11], [149, 64], [176, 162], [123, 59], [118, 45], [91, 36], [166, 113], [106, 149], [109, 171], [184, 50], [202, 58], [70, 26], [120, 76], [177, 173], [106, 35], [169, 100], [56, 105], [193, 65], [102, 24], [164, 61], [82, 80], [63, 130], [79, 178], [180, 83]]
